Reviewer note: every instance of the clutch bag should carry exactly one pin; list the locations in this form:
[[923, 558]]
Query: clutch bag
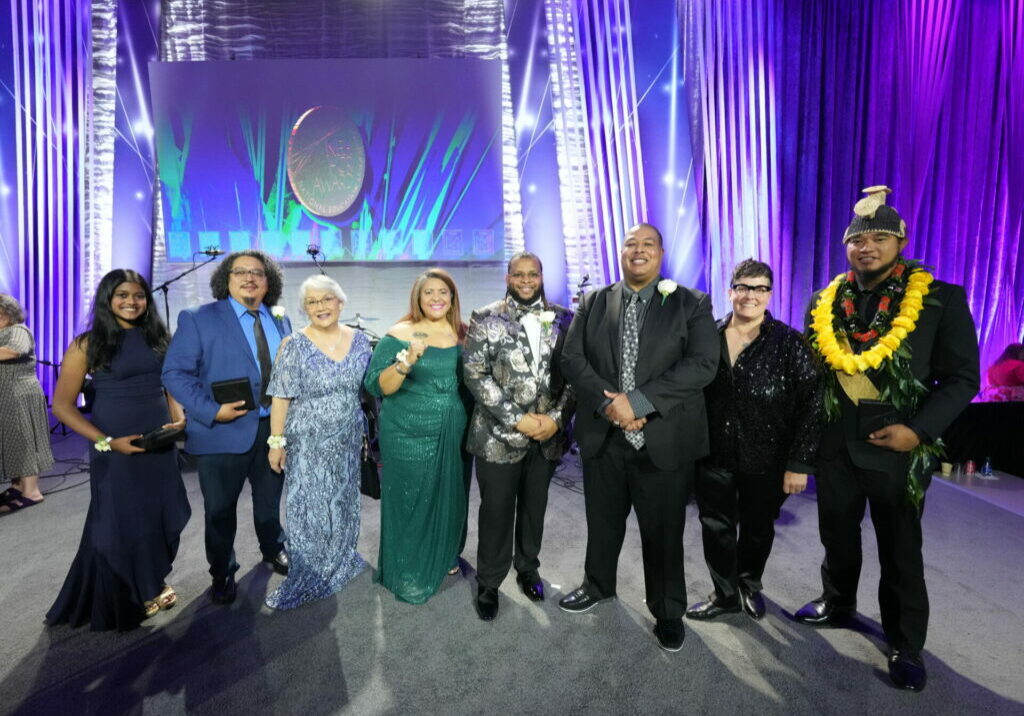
[[369, 477], [159, 438], [233, 390]]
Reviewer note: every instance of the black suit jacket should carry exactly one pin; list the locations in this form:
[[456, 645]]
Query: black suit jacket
[[944, 357], [678, 356]]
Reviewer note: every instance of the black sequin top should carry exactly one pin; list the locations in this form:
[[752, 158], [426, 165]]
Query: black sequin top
[[765, 412]]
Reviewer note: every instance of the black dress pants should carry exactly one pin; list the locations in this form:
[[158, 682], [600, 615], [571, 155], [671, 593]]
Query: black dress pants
[[617, 478], [221, 477], [843, 492], [724, 499], [513, 500]]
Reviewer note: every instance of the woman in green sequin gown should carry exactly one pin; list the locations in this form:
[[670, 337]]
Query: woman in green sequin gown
[[422, 423]]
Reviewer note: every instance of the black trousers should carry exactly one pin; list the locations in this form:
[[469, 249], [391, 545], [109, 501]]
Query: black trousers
[[724, 499], [843, 492], [513, 500], [221, 477], [617, 478]]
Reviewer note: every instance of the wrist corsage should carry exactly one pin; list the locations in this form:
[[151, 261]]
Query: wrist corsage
[[276, 442], [403, 357], [103, 444]]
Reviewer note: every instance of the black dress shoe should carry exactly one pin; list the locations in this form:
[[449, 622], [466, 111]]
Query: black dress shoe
[[823, 612], [906, 669], [670, 634], [578, 601], [224, 590], [752, 603], [278, 562], [532, 586], [711, 608], [486, 603]]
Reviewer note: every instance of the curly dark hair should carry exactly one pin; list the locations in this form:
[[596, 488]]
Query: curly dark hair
[[222, 274], [105, 334]]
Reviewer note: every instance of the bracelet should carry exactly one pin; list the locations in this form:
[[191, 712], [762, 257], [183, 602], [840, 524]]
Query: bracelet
[[276, 441], [103, 444], [399, 370]]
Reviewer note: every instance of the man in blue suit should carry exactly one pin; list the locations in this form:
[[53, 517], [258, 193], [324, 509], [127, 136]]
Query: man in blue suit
[[236, 336]]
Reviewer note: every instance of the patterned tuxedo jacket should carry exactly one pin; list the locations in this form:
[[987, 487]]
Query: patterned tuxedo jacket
[[500, 372]]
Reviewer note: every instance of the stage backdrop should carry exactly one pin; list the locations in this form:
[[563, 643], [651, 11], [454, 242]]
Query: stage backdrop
[[365, 159]]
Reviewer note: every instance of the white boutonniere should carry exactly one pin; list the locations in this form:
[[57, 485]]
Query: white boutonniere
[[546, 319], [666, 286], [277, 311]]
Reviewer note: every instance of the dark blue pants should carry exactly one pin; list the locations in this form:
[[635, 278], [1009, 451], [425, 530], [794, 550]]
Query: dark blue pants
[[221, 477]]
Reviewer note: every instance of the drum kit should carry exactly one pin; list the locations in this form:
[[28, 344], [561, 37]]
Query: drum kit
[[356, 322]]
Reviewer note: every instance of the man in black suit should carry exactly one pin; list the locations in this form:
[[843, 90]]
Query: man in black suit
[[638, 354], [859, 463]]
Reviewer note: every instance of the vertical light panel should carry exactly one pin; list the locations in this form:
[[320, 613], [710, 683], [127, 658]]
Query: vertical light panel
[[599, 149], [51, 48], [97, 254]]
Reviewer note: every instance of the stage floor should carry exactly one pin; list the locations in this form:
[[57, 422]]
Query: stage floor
[[363, 652]]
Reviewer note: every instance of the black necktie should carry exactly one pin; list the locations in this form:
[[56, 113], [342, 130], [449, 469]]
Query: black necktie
[[262, 356]]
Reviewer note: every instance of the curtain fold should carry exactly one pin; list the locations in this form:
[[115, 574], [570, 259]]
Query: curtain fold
[[801, 105]]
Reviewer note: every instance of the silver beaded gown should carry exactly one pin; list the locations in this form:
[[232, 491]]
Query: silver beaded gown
[[324, 432]]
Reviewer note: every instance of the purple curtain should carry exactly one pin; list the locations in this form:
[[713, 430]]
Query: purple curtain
[[796, 106]]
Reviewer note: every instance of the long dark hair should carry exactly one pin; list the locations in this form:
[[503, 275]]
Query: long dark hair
[[1014, 351], [222, 274], [105, 333]]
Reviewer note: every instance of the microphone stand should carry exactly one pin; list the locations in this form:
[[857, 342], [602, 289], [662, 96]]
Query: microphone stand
[[314, 252], [166, 285], [56, 374]]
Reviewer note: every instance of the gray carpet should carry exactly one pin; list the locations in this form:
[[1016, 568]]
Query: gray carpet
[[363, 652]]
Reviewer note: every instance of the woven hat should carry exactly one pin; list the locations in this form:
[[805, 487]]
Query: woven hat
[[874, 216]]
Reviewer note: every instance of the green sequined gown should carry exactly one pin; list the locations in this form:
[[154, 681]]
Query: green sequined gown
[[423, 497]]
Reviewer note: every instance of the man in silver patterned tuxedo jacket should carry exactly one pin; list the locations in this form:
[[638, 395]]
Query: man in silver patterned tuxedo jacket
[[517, 432]]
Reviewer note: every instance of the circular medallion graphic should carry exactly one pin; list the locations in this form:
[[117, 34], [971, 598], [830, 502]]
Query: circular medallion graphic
[[326, 161]]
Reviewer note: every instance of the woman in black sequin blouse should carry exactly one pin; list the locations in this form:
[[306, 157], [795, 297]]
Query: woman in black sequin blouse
[[764, 409]]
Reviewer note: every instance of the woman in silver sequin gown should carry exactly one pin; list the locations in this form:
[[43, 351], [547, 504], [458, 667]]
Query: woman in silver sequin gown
[[315, 387]]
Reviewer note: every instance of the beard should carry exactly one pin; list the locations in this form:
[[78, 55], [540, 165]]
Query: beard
[[518, 298], [874, 275]]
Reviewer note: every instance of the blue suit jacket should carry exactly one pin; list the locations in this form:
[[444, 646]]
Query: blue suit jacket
[[209, 345]]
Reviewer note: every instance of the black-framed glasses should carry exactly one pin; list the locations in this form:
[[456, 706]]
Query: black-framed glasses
[[242, 273], [744, 288]]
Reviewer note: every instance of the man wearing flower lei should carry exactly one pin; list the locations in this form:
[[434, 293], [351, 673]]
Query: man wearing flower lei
[[901, 359]]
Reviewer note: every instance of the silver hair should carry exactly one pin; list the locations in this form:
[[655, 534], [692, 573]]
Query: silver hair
[[319, 282], [10, 307]]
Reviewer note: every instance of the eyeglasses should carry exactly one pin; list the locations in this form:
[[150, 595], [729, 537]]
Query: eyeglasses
[[254, 273], [743, 289], [326, 302]]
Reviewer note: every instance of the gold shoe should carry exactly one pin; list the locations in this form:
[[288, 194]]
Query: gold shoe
[[150, 608], [167, 598]]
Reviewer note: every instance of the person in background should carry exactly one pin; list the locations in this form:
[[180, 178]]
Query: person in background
[[24, 430], [1008, 370], [236, 336], [416, 370], [317, 427], [138, 505], [764, 422]]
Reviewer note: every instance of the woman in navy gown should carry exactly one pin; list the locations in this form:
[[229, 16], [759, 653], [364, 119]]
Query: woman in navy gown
[[138, 504]]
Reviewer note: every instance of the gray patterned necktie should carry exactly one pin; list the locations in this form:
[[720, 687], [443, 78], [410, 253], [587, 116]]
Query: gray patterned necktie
[[630, 348]]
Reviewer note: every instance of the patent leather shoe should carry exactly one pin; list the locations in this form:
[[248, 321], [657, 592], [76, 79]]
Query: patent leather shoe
[[224, 590], [712, 607], [752, 603], [486, 603], [823, 612], [532, 587], [670, 634], [906, 669], [278, 562], [578, 601]]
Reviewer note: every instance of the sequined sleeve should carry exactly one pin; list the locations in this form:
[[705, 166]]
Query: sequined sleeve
[[285, 378], [805, 377]]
